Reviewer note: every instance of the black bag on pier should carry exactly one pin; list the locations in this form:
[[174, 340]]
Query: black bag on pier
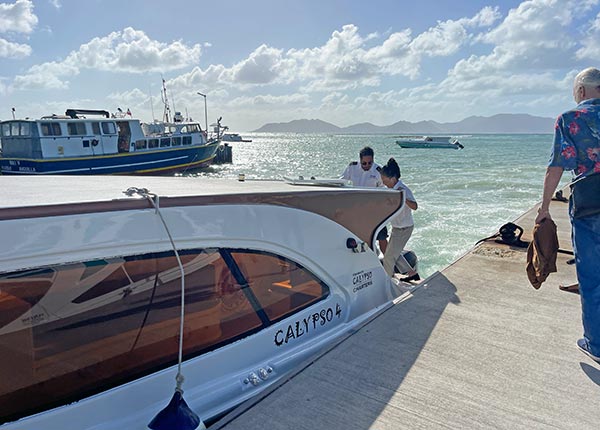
[[585, 195]]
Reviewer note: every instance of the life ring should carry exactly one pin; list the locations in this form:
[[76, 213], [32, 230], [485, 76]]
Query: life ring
[[94, 142]]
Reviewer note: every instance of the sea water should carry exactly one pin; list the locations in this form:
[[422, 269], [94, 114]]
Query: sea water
[[463, 195]]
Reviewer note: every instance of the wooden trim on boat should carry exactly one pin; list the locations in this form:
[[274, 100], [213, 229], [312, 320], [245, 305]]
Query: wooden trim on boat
[[360, 211]]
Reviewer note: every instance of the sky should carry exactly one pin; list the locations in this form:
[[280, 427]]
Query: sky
[[264, 61]]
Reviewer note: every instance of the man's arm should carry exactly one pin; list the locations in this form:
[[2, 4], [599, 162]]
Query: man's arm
[[551, 180], [412, 204], [348, 171]]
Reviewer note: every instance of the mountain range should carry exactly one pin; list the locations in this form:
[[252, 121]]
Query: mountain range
[[501, 123]]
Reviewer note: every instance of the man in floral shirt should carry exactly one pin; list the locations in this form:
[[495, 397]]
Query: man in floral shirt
[[577, 148]]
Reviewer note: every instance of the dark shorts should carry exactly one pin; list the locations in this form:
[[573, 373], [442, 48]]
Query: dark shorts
[[382, 235]]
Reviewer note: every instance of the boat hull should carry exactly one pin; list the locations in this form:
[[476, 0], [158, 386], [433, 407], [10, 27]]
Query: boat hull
[[170, 160], [446, 145]]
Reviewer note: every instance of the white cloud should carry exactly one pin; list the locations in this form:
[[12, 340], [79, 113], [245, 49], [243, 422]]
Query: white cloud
[[447, 37], [13, 50], [133, 97], [271, 101], [590, 49], [263, 66], [134, 52], [535, 35], [341, 58], [17, 17], [56, 3], [334, 99], [484, 18], [442, 40], [530, 45], [46, 76], [129, 51], [347, 60]]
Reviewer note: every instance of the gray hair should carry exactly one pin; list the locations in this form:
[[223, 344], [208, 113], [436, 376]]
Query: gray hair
[[589, 77]]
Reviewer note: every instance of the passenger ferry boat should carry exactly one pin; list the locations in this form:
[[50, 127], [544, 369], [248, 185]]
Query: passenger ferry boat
[[108, 291], [429, 142], [84, 142]]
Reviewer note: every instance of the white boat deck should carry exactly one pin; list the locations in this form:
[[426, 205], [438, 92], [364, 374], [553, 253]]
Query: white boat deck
[[474, 347], [55, 189]]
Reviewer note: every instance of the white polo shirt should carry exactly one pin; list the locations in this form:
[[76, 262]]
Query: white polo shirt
[[404, 218], [363, 178]]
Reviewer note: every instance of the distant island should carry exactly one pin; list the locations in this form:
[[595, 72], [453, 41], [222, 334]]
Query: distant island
[[501, 123]]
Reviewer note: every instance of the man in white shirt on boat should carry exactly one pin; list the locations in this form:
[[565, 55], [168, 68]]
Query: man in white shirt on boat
[[365, 173]]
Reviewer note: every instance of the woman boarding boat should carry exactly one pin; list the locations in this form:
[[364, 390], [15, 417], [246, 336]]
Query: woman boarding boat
[[402, 225]]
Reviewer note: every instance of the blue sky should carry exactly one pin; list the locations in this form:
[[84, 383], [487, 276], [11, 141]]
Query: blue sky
[[260, 61]]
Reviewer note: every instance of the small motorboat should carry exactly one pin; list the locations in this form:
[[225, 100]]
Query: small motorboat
[[234, 137], [429, 142]]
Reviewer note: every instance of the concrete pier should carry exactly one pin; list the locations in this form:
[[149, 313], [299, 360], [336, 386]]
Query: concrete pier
[[474, 346]]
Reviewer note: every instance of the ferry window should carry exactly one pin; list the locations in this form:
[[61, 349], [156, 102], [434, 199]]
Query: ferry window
[[50, 129], [152, 143], [108, 128], [193, 128], [176, 141], [187, 140], [280, 286], [140, 144], [89, 330], [95, 128], [14, 128], [25, 129], [76, 128], [6, 129], [165, 142]]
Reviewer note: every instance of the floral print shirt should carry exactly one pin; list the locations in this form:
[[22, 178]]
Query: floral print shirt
[[577, 139]]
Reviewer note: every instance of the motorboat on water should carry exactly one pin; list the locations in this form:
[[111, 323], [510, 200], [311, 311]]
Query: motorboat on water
[[234, 137], [112, 289], [429, 142]]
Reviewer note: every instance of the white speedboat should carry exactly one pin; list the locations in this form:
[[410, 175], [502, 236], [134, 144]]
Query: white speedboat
[[429, 142], [234, 137], [106, 297]]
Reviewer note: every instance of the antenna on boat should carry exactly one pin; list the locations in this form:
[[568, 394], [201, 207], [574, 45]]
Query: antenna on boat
[[151, 102], [165, 100], [177, 414], [205, 112], [13, 113]]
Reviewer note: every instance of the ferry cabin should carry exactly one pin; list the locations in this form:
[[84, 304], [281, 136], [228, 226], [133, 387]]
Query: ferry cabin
[[57, 137]]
